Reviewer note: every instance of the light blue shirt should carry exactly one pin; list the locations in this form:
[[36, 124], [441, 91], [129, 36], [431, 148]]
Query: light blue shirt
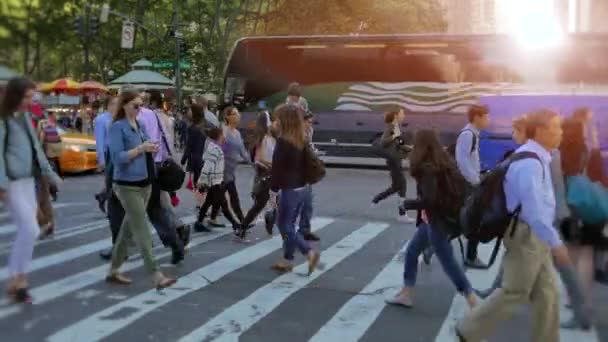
[[102, 124], [468, 162], [529, 183]]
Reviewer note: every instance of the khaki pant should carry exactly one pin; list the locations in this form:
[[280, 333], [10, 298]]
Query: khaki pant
[[528, 277], [134, 225]]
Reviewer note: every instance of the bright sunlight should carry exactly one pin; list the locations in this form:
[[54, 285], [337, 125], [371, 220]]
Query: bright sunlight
[[534, 23]]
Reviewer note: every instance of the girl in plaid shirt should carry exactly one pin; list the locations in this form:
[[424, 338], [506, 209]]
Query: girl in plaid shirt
[[210, 182]]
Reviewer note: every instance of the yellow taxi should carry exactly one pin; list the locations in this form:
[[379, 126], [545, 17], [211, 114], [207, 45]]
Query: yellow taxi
[[79, 153]]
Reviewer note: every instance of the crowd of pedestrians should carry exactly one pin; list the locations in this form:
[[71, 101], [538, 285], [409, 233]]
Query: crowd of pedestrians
[[539, 184]]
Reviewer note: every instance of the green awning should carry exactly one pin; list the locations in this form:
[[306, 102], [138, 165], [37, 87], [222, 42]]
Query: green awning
[[136, 77]]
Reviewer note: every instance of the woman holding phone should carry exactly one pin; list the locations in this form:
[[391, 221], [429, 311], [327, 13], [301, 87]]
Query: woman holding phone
[[131, 154]]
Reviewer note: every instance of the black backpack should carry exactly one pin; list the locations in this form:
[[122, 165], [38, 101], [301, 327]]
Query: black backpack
[[452, 148], [484, 216]]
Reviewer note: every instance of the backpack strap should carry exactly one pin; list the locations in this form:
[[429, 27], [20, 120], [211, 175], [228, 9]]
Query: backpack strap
[[474, 144], [526, 155]]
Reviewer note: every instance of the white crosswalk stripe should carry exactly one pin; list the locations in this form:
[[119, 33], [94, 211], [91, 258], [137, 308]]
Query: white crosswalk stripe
[[118, 310], [255, 307], [96, 327], [483, 279], [356, 316]]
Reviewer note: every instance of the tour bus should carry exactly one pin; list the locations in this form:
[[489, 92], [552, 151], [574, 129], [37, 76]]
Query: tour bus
[[350, 81]]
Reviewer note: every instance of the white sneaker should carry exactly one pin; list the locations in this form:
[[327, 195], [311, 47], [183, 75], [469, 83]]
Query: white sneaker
[[406, 219]]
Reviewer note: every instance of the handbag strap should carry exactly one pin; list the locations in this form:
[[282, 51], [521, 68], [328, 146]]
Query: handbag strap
[[162, 134]]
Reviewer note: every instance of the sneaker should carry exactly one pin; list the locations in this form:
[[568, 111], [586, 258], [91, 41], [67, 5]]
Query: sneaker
[[201, 228], [400, 300], [405, 219]]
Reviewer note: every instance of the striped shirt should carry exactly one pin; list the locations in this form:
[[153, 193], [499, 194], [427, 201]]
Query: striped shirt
[[212, 172]]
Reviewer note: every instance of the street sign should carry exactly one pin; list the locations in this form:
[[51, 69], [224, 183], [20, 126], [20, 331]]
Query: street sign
[[128, 35], [168, 65], [163, 65]]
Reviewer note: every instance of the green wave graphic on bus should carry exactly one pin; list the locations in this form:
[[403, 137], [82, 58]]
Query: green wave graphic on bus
[[417, 97]]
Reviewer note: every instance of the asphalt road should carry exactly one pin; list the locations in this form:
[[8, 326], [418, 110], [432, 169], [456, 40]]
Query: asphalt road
[[227, 291]]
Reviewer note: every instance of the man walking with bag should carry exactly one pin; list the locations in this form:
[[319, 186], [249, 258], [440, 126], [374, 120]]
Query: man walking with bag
[[531, 243]]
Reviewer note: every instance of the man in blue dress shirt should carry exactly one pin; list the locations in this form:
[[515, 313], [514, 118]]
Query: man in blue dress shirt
[[102, 123], [530, 250]]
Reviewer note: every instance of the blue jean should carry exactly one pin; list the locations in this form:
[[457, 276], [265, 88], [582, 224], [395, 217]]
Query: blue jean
[[291, 203], [442, 247], [306, 214]]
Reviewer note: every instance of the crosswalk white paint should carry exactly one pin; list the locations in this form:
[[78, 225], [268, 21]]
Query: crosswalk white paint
[[5, 215], [483, 279], [60, 258], [97, 326], [252, 309], [70, 254], [356, 316], [61, 234], [76, 282]]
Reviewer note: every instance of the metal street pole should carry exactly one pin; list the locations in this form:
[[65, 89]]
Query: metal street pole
[[86, 40], [177, 34]]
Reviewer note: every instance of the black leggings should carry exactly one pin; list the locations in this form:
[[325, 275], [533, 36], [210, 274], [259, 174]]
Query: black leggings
[[398, 182], [260, 199], [235, 203], [216, 198]]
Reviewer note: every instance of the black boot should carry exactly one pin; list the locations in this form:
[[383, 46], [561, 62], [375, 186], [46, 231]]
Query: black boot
[[183, 233], [177, 254]]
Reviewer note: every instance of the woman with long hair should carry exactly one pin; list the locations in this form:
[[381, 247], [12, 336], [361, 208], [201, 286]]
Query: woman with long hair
[[394, 152], [234, 151], [577, 150], [22, 164], [441, 191], [287, 177], [262, 145], [131, 154]]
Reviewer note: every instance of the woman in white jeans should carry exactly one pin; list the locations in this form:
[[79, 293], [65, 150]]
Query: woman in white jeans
[[22, 163]]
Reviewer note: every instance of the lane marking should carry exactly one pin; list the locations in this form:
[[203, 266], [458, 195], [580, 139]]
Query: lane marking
[[73, 283], [98, 326], [62, 234], [483, 279], [67, 255], [234, 321], [356, 316], [9, 228]]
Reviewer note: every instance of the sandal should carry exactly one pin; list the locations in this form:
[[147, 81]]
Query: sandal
[[46, 232], [282, 268], [118, 279], [164, 283]]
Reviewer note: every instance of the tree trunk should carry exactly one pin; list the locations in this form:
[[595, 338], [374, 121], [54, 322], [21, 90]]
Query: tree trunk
[[257, 17], [26, 38]]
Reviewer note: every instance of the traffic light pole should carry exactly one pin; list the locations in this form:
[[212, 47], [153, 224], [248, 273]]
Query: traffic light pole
[[85, 42], [178, 35]]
